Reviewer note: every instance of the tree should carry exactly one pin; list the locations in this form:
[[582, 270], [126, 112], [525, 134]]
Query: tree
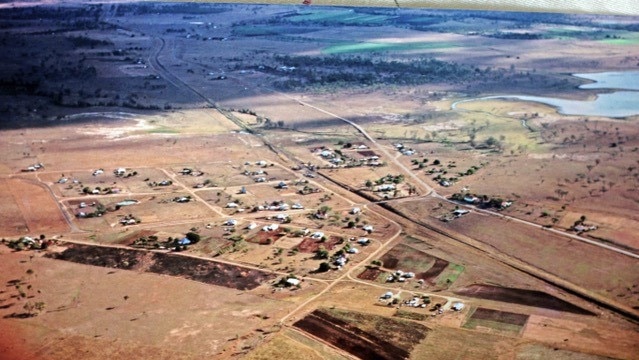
[[193, 237], [321, 253], [324, 267]]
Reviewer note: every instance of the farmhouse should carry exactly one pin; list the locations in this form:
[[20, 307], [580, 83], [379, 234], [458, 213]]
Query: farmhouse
[[119, 171], [386, 187], [471, 199], [460, 212], [230, 222], [457, 306], [271, 227], [387, 295]]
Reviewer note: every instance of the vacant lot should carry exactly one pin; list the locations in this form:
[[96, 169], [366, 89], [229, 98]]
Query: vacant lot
[[497, 320], [29, 209]]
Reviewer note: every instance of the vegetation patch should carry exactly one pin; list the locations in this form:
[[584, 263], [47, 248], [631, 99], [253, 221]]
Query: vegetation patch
[[410, 315], [379, 46], [341, 17], [450, 275]]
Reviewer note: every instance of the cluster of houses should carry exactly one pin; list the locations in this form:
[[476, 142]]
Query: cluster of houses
[[182, 199], [404, 150], [34, 167], [129, 220], [400, 276], [191, 172], [337, 158]]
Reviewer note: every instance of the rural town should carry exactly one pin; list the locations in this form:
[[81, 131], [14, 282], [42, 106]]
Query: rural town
[[239, 181]]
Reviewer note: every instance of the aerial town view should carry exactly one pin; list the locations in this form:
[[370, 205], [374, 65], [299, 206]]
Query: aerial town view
[[240, 181]]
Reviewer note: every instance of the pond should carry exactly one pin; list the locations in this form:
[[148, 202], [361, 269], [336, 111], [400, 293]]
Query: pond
[[617, 104]]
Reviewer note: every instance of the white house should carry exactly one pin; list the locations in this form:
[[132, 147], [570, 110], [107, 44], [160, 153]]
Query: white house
[[368, 228], [356, 210], [230, 222], [317, 235], [251, 226]]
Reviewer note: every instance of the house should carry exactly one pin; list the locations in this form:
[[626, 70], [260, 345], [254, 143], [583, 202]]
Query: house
[[352, 250], [368, 228], [293, 281], [356, 210], [186, 171], [297, 206], [408, 152], [98, 172], [260, 179], [119, 171], [95, 192], [260, 163], [341, 261], [387, 295], [326, 153], [281, 217], [251, 226], [271, 227], [232, 205], [82, 205], [230, 222], [471, 199], [444, 183], [281, 185], [386, 187], [63, 180], [182, 199], [165, 183], [460, 212], [184, 241], [457, 306], [363, 241], [243, 190], [317, 235], [283, 207]]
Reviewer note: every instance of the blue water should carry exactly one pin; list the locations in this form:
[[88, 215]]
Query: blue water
[[617, 104], [621, 80]]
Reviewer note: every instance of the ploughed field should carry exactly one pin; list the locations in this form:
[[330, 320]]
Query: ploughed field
[[520, 296], [206, 271], [366, 336]]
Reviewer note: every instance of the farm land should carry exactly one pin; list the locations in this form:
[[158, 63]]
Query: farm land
[[252, 176]]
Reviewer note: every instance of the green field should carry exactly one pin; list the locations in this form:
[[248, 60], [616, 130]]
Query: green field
[[450, 275], [379, 46], [626, 39], [349, 17], [265, 30]]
